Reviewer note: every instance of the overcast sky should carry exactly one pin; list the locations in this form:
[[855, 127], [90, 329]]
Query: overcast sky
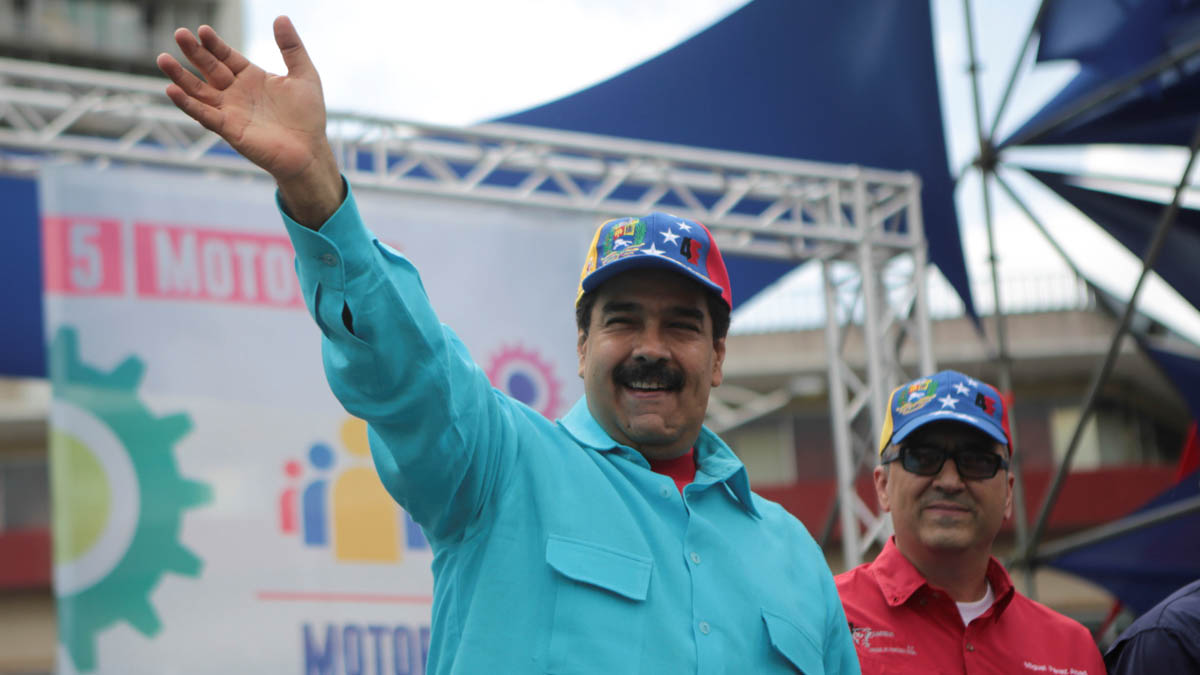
[[464, 61]]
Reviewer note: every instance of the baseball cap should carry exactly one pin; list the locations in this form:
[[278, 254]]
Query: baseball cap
[[657, 240], [948, 395]]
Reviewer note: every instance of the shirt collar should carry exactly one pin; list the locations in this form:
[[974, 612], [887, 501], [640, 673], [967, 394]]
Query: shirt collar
[[898, 579], [715, 462]]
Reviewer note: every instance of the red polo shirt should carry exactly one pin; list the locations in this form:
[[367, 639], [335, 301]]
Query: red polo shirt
[[903, 625]]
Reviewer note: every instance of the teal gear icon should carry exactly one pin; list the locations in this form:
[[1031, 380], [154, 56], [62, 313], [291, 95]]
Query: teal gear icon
[[163, 496]]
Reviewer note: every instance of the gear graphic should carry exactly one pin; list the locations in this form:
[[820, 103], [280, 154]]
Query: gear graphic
[[522, 374], [121, 591]]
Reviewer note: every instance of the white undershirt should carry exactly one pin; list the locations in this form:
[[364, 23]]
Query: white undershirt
[[973, 610]]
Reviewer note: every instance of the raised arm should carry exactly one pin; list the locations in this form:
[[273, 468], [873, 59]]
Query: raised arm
[[275, 121]]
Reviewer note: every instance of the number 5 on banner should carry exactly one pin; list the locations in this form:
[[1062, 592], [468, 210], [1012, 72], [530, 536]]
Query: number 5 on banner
[[82, 256]]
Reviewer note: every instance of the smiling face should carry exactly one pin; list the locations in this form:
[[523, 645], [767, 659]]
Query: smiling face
[[648, 361], [945, 513]]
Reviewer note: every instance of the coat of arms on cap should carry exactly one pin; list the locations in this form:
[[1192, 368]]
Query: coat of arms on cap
[[915, 396], [622, 237]]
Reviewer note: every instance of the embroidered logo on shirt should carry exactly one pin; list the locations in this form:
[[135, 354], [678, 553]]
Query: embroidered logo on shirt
[[1043, 668], [879, 641]]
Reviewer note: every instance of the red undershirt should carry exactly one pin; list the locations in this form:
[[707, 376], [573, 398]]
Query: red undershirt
[[681, 469]]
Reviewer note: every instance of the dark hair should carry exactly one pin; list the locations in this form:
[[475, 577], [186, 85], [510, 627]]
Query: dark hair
[[717, 309]]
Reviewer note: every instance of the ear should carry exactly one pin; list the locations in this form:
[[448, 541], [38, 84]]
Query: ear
[[718, 361], [881, 482], [581, 349]]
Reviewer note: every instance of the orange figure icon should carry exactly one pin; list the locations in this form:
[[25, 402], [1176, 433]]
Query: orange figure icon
[[366, 524]]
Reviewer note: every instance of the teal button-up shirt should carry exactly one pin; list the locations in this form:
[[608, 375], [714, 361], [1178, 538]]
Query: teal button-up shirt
[[556, 549]]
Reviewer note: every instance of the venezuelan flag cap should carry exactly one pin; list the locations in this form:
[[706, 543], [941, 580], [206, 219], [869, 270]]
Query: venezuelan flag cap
[[948, 395], [658, 240]]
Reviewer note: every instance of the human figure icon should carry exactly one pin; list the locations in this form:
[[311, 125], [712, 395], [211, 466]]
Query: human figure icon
[[315, 498], [288, 517]]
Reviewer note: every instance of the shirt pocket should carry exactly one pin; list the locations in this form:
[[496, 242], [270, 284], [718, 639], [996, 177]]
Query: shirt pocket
[[599, 607], [795, 643]]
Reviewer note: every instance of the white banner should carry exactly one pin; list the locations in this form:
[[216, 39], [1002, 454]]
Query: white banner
[[215, 510]]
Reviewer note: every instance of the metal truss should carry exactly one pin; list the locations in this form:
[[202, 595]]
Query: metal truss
[[758, 206]]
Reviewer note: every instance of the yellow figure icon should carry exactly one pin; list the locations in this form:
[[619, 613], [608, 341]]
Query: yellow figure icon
[[365, 520]]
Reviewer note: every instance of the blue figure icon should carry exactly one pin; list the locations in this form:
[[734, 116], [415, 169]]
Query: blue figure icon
[[316, 519]]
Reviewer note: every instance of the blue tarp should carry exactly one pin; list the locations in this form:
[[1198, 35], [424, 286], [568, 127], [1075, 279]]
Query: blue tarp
[[22, 345], [1132, 222], [848, 82], [1113, 40], [1146, 565]]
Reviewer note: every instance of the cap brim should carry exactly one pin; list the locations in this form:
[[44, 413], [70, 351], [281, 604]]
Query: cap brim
[[643, 261], [988, 428]]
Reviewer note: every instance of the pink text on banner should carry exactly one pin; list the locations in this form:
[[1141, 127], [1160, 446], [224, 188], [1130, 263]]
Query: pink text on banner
[[187, 263], [82, 255]]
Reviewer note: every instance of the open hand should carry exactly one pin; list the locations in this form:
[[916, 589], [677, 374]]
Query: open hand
[[275, 121]]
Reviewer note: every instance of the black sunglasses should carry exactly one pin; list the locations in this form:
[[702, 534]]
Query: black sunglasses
[[927, 460]]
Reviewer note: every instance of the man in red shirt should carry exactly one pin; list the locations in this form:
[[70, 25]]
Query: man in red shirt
[[935, 600]]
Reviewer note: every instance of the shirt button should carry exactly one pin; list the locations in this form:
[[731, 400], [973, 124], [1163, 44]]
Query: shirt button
[[695, 557], [705, 628], [329, 259], [970, 647], [665, 492]]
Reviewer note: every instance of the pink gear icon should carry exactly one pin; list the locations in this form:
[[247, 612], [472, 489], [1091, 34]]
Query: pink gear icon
[[522, 374]]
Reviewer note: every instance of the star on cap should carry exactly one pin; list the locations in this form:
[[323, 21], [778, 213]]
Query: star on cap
[[960, 388], [670, 237], [652, 250], [683, 226], [948, 402], [973, 382]]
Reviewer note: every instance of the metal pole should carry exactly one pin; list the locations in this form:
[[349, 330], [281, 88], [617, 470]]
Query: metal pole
[[872, 311], [1016, 69], [1102, 373], [924, 331], [843, 452], [1004, 364]]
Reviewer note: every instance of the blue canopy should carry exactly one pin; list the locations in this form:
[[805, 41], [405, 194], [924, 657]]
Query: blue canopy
[[848, 82], [1132, 221], [1116, 42], [1146, 565]]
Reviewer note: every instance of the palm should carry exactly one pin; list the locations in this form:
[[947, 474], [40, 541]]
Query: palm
[[275, 121]]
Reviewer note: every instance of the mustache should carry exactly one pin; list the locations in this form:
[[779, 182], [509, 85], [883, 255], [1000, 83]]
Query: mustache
[[936, 496], [658, 372]]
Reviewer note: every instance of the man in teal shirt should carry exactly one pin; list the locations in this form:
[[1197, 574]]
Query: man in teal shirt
[[622, 539]]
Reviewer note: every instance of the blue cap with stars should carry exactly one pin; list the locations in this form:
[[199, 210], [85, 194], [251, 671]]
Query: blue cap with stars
[[948, 395], [657, 240]]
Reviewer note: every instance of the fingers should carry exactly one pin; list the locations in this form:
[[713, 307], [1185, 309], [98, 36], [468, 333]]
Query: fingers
[[231, 57], [186, 81], [215, 71], [295, 57], [209, 117]]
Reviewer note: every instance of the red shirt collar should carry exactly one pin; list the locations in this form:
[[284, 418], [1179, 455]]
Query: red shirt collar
[[681, 469], [898, 579]]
